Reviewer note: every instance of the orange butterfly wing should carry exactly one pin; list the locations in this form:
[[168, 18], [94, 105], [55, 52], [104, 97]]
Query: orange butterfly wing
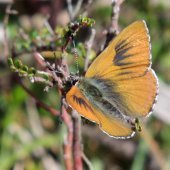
[[126, 63], [108, 124], [128, 53], [138, 95], [78, 102]]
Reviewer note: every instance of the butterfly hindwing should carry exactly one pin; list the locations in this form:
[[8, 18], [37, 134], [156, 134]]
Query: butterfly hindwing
[[110, 125], [113, 126]]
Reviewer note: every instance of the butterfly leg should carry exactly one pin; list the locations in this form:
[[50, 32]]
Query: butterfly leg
[[135, 123]]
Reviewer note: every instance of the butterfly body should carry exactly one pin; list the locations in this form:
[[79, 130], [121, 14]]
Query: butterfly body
[[119, 85]]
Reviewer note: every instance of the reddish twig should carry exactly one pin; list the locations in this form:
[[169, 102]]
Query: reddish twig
[[40, 60], [50, 68], [40, 103], [77, 149], [68, 142]]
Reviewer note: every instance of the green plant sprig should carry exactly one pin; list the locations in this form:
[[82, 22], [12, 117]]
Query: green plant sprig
[[30, 72], [73, 27]]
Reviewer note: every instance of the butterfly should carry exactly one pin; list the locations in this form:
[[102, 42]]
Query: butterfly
[[119, 87]]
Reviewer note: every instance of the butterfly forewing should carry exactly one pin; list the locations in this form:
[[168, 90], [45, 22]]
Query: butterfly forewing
[[125, 64], [127, 56]]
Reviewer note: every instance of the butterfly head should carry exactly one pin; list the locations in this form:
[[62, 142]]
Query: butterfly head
[[71, 81]]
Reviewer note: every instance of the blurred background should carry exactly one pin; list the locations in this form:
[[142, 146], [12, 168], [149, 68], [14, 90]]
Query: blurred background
[[32, 138]]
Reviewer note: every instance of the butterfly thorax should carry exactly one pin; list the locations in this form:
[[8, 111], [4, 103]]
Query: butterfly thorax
[[89, 89]]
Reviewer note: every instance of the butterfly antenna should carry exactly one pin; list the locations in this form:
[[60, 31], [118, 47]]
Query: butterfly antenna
[[76, 57]]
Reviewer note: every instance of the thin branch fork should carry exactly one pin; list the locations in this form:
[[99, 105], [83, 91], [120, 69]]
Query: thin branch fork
[[42, 62], [73, 11]]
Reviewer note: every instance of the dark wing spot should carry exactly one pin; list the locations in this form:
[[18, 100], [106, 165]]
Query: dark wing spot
[[120, 45], [80, 101], [121, 49]]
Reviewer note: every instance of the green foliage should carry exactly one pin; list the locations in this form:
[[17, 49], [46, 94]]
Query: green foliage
[[165, 138], [7, 159], [23, 70], [18, 96], [140, 157], [86, 21]]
